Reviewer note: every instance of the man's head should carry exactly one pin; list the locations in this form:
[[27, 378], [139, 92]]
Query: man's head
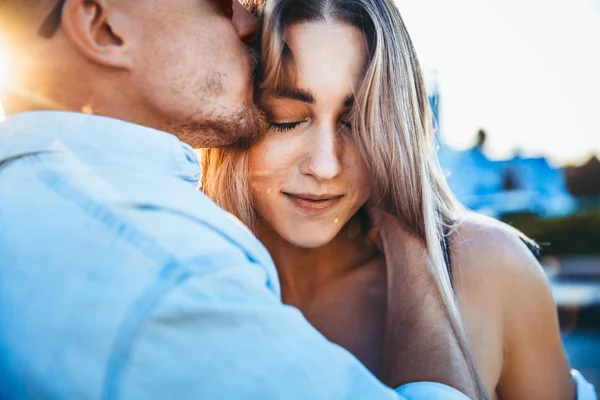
[[177, 65]]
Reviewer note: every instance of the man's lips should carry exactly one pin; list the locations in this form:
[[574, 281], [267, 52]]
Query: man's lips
[[313, 204]]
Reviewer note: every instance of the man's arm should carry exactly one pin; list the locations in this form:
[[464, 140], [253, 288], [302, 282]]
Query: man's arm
[[226, 336], [419, 344]]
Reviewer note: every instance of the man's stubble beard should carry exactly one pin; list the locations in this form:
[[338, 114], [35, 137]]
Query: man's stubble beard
[[240, 128]]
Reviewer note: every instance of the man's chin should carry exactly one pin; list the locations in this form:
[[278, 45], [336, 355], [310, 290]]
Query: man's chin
[[239, 129]]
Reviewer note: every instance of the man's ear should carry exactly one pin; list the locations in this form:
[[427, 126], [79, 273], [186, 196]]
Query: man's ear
[[99, 30]]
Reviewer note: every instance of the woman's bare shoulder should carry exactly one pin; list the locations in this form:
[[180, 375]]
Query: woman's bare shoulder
[[485, 242], [490, 255], [507, 305]]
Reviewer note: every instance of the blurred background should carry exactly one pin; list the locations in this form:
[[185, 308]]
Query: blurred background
[[514, 87]]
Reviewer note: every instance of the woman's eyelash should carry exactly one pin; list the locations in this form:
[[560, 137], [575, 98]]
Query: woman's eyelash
[[284, 126], [287, 126]]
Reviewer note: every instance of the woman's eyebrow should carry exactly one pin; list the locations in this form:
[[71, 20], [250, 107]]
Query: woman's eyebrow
[[302, 95]]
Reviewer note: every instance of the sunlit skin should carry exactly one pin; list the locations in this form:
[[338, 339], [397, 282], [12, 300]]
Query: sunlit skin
[[193, 88], [5, 65], [308, 177], [331, 271], [309, 180]]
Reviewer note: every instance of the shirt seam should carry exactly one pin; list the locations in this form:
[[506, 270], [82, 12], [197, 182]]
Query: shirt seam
[[171, 277]]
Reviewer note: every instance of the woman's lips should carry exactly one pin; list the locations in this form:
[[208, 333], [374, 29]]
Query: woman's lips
[[313, 204]]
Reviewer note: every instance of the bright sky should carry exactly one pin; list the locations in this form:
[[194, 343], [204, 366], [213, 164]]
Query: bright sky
[[527, 71]]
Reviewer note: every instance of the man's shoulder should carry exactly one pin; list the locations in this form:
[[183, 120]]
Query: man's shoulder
[[56, 189], [82, 260]]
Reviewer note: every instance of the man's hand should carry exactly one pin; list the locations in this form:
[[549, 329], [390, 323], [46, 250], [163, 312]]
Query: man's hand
[[419, 344]]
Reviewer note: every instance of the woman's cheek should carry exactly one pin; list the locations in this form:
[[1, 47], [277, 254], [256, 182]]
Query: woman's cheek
[[268, 165], [357, 171], [281, 152]]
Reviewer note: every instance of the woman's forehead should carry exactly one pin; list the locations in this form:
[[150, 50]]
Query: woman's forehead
[[325, 57]]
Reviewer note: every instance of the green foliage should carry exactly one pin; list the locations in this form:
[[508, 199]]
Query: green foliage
[[574, 234]]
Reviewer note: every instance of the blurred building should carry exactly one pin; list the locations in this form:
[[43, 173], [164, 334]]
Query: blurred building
[[496, 187]]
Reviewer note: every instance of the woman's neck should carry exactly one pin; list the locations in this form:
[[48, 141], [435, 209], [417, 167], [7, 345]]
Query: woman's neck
[[303, 272]]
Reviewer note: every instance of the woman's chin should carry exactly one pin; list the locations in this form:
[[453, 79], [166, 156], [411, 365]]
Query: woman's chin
[[309, 239]]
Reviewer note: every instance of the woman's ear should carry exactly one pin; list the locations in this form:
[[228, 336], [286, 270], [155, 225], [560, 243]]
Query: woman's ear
[[99, 30]]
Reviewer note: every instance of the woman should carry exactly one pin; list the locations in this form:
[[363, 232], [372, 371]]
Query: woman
[[347, 196]]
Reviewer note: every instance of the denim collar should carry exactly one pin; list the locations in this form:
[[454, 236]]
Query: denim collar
[[99, 141]]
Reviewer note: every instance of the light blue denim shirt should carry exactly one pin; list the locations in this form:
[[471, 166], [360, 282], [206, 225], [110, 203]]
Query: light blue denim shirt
[[119, 280]]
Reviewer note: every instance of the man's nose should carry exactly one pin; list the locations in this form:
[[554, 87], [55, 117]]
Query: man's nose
[[244, 22], [323, 158]]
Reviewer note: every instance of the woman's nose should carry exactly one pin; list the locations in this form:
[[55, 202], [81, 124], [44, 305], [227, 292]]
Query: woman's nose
[[244, 23], [323, 158]]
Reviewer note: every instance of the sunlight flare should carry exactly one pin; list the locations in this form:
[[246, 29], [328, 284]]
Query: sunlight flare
[[5, 72]]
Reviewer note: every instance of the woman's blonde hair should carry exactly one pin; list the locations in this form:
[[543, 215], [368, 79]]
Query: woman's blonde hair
[[392, 126]]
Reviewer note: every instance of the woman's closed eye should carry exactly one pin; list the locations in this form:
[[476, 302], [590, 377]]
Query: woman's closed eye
[[284, 126], [288, 126]]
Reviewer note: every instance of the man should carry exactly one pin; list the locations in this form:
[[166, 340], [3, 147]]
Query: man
[[117, 278]]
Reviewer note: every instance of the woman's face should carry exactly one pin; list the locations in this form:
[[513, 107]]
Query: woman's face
[[308, 177]]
